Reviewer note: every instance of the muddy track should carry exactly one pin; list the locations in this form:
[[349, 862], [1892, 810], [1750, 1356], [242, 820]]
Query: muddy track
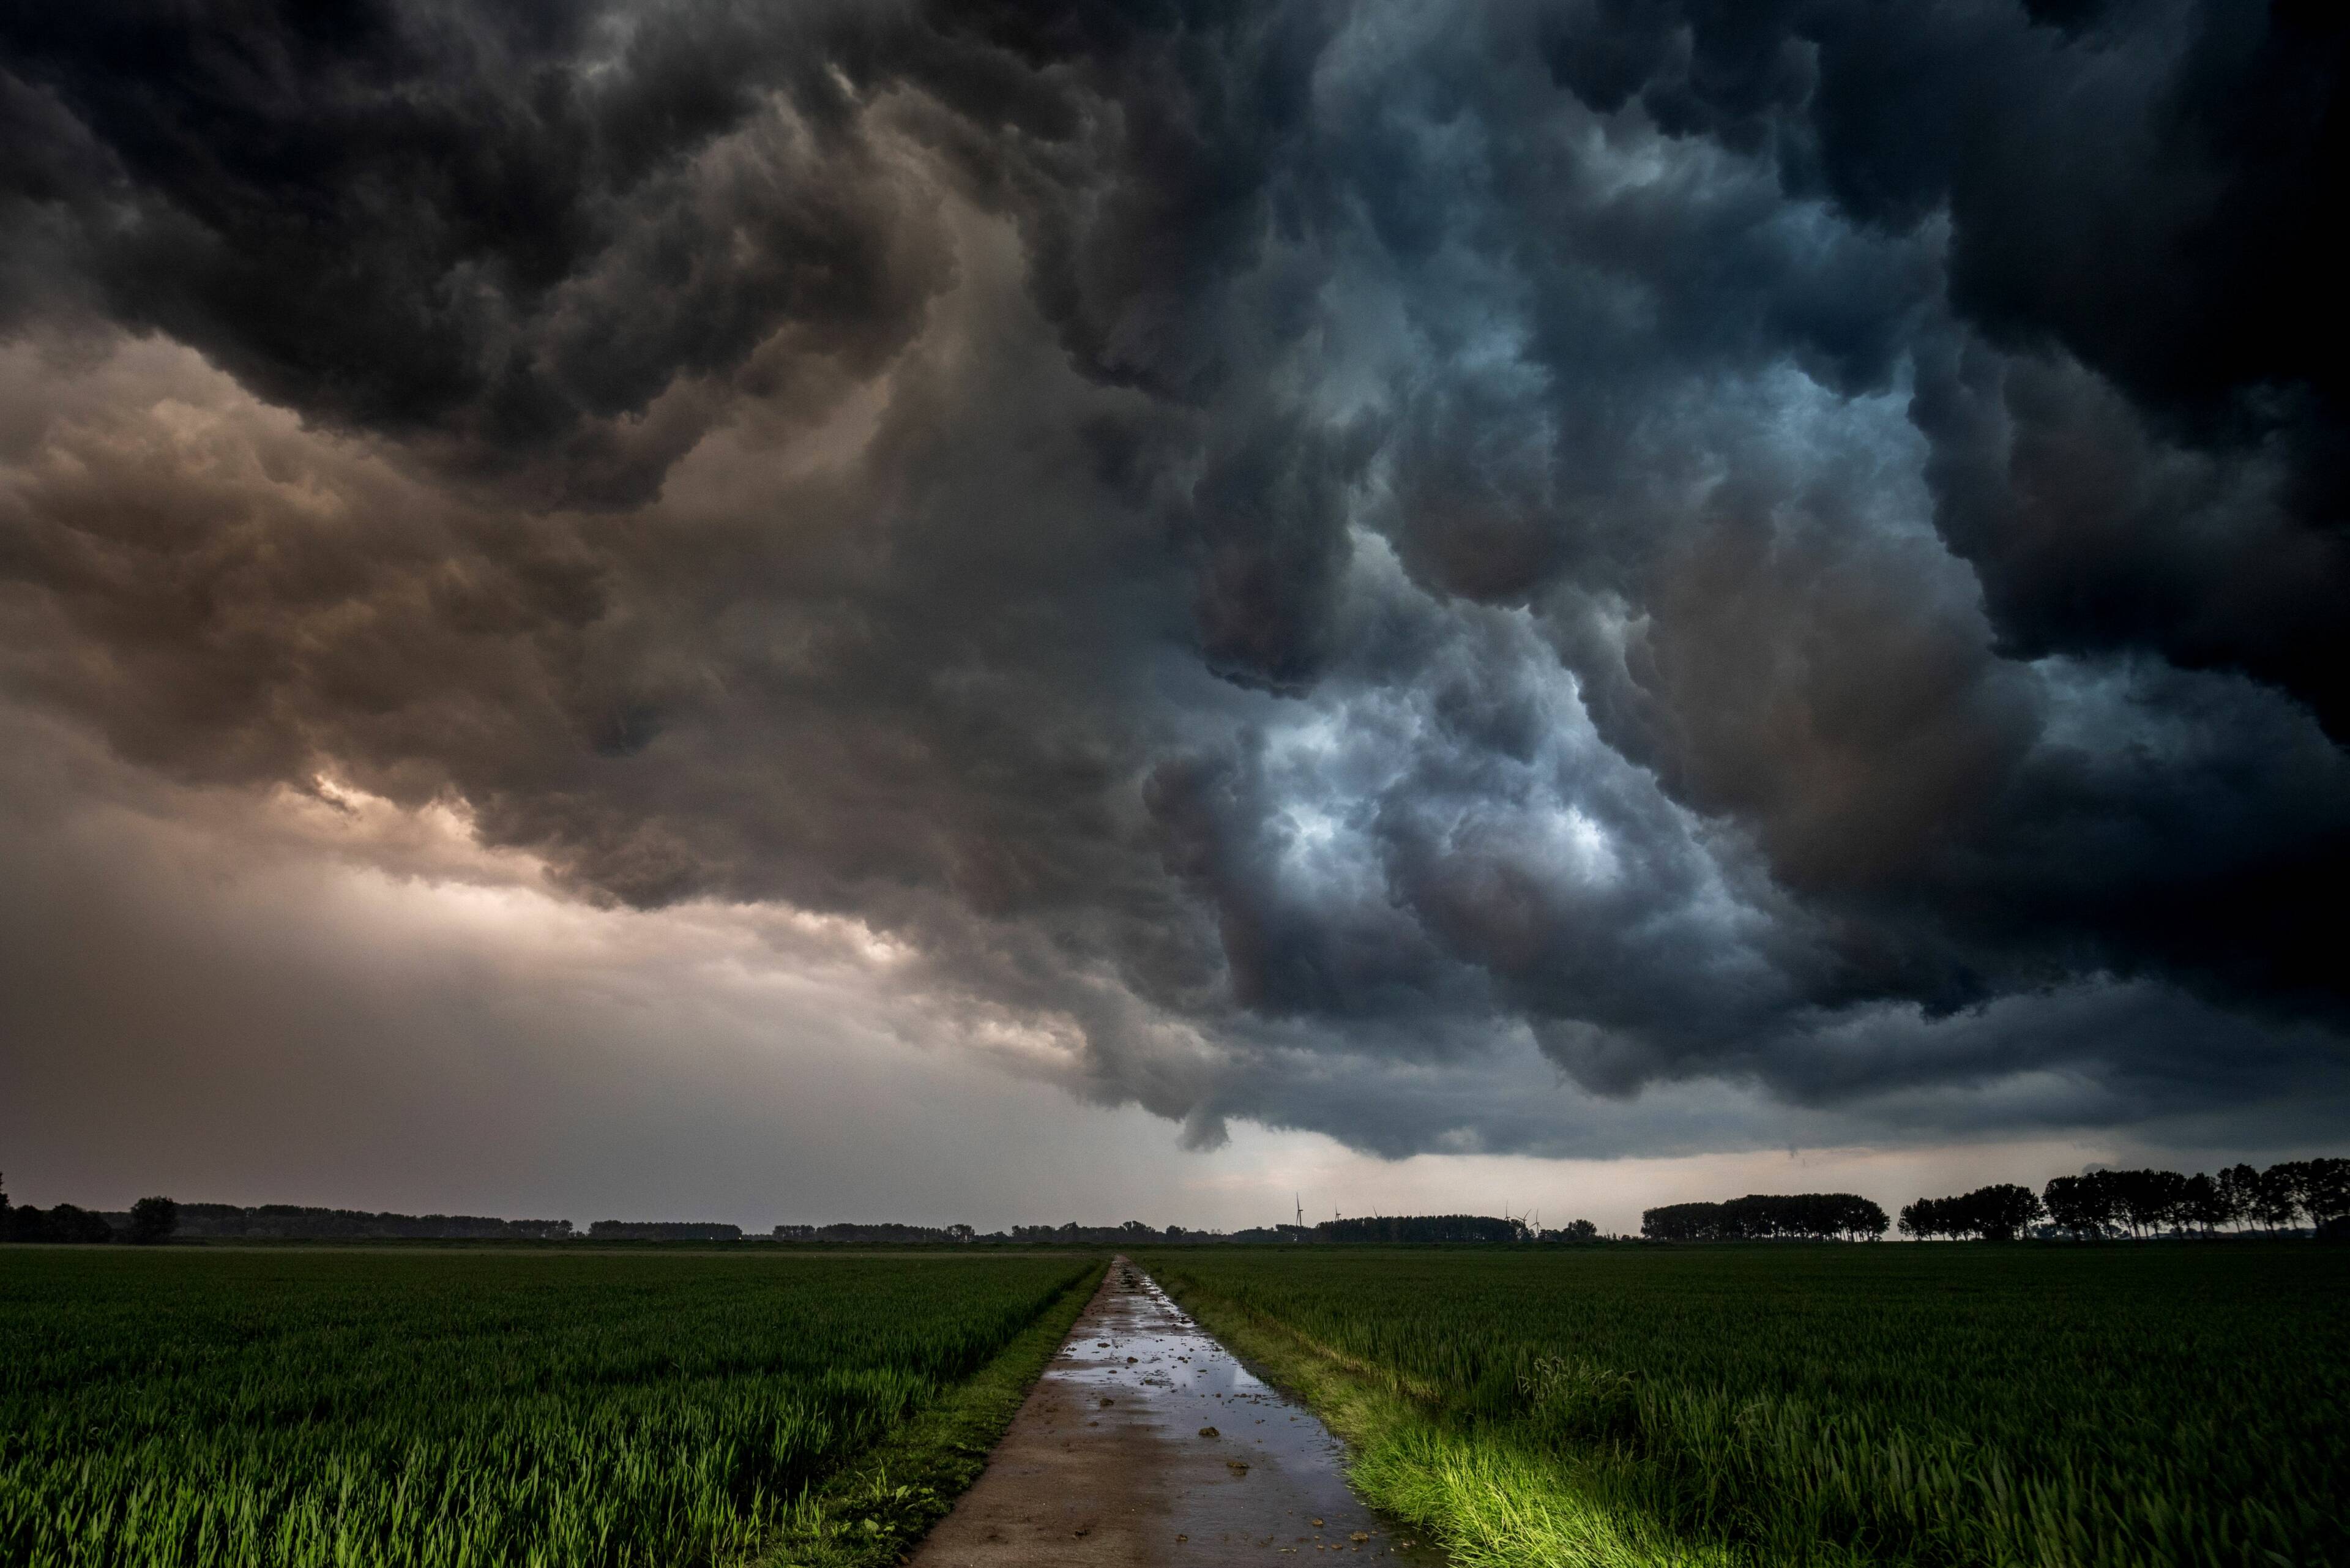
[[1147, 1442]]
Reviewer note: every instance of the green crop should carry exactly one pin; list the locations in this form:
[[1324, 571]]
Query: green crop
[[2098, 1406], [441, 1410]]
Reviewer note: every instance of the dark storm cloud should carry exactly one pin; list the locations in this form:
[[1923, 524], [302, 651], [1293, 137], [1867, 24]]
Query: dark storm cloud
[[2132, 187], [1302, 549]]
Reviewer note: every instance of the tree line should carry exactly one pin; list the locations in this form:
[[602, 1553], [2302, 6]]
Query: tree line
[[1423, 1228], [883, 1233], [149, 1221], [661, 1231], [152, 1220], [2095, 1204], [1806, 1216], [299, 1222], [2112, 1203], [1996, 1213]]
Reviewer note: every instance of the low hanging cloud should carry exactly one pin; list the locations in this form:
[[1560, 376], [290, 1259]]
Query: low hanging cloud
[[1300, 553]]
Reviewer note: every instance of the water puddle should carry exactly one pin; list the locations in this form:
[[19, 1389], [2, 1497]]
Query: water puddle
[[1259, 1473]]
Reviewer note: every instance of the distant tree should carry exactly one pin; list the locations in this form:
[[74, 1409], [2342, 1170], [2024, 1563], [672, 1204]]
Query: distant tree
[[2325, 1190], [890, 1233], [2001, 1212], [2293, 1176], [2129, 1197], [1813, 1215], [2239, 1188], [63, 1223], [1923, 1219], [154, 1219], [662, 1230], [1577, 1231], [2093, 1198], [1411, 1228], [2203, 1203], [2171, 1206], [2276, 1196], [2067, 1200], [1997, 1213], [2151, 1199]]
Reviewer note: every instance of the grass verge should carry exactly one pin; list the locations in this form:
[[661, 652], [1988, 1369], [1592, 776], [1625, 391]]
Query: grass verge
[[873, 1511], [1491, 1503]]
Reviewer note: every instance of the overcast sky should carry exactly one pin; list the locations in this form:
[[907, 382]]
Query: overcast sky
[[1012, 613]]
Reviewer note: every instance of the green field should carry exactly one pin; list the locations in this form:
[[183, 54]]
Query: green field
[[188, 1407], [2109, 1406]]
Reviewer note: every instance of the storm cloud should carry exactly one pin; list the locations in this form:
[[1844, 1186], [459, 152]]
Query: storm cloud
[[1288, 557]]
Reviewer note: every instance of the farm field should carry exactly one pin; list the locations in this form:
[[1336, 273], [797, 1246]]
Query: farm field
[[284, 1408], [1777, 1404]]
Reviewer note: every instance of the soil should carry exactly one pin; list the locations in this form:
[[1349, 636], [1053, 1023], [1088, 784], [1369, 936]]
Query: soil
[[1147, 1442]]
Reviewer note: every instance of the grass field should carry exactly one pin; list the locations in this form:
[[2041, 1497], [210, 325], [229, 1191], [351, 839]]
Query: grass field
[[2114, 1406], [196, 1407]]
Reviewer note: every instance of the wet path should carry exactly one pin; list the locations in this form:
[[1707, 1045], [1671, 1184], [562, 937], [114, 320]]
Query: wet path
[[1146, 1442]]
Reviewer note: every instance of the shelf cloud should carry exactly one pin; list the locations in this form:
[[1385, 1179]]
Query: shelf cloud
[[1294, 557]]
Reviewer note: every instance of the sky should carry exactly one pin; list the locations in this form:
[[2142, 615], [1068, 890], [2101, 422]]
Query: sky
[[1016, 613]]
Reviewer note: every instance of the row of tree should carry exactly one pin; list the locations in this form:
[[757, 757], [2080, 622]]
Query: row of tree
[[152, 1220], [1423, 1228], [2106, 1203], [1997, 1213], [1810, 1216], [300, 1222], [2098, 1203], [661, 1231], [881, 1234], [149, 1220], [1127, 1234]]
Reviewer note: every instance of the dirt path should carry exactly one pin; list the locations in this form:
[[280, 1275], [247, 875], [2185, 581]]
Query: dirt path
[[1146, 1442]]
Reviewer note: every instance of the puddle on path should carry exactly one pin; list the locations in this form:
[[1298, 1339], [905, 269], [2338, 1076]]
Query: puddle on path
[[1144, 1442], [1269, 1482]]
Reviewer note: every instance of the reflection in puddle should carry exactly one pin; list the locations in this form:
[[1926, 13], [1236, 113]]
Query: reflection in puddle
[[1280, 1486]]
